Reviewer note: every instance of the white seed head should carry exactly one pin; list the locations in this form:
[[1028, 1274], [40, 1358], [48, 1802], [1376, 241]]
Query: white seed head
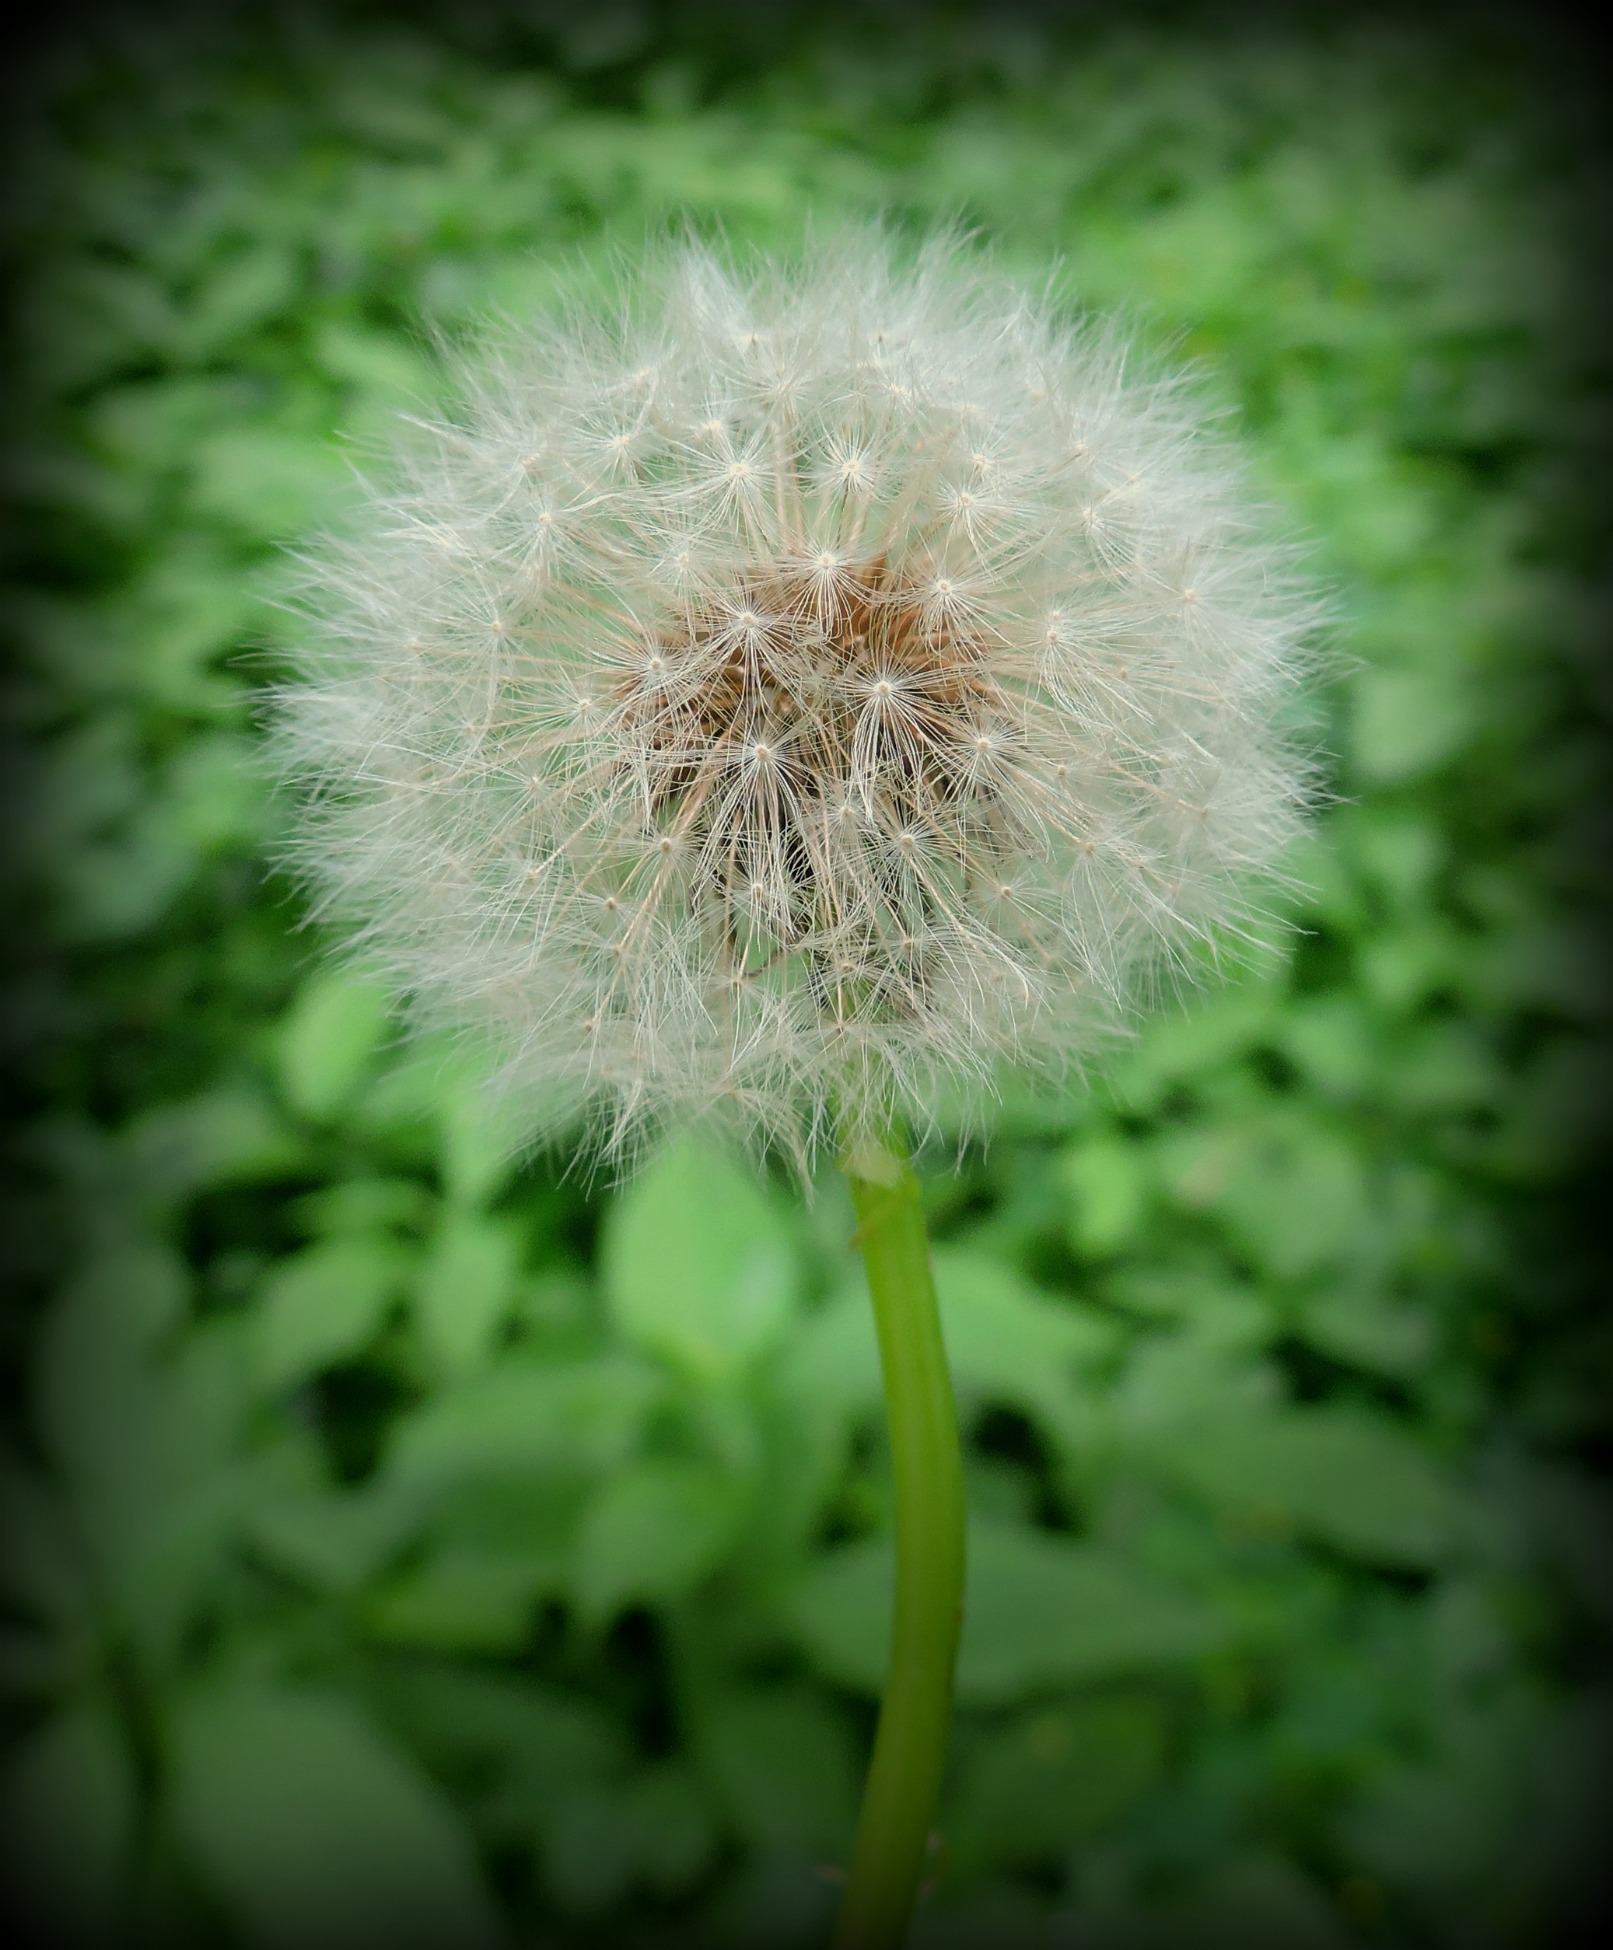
[[783, 692]]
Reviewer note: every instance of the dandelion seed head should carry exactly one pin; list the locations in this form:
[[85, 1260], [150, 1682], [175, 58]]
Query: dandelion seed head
[[843, 735]]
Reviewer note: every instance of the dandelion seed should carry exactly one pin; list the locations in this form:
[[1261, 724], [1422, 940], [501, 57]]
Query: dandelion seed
[[794, 673]]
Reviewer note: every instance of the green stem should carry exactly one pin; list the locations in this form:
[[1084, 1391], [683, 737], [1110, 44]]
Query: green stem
[[904, 1779]]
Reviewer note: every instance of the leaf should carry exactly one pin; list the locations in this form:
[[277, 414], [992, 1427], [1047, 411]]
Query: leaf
[[87, 319], [364, 1205], [1340, 1475], [313, 1831], [1444, 1067], [1043, 1611], [96, 1396], [268, 482], [677, 1832], [829, 1365], [462, 1599], [328, 1039], [42, 1576], [1406, 723], [782, 1761], [228, 1135], [143, 1426], [1293, 1194], [651, 1534], [188, 607], [334, 1540], [240, 296], [526, 1417], [1052, 1777], [465, 1289], [1180, 1046], [1257, 1902], [601, 1838], [1108, 1190], [69, 1810], [1219, 1312], [476, 1134], [591, 1843], [539, 1743], [1173, 1383], [698, 1266], [212, 796], [1362, 1328], [1398, 851], [321, 1306], [1330, 1039], [1039, 1612], [381, 366], [1008, 1343]]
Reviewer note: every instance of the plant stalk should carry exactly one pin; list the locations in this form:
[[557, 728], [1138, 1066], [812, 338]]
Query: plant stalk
[[904, 1777]]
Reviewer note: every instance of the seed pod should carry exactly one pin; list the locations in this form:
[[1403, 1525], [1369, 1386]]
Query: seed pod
[[792, 691]]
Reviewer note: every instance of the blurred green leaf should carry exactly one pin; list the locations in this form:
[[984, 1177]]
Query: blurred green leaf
[[1040, 1612], [526, 1416], [1331, 1041], [364, 1205], [781, 1759], [42, 1574], [1108, 1186], [328, 1039], [1446, 1067], [1173, 1383], [651, 1533], [465, 1288], [1257, 1901], [677, 1829], [143, 1426], [1182, 1044], [1053, 1776], [87, 320], [227, 1135], [95, 1372], [1368, 1331], [602, 1839], [591, 1847], [1407, 722], [534, 1744], [333, 1540], [477, 1149], [264, 481], [313, 1831], [1011, 1344], [322, 1306], [376, 364], [1356, 1481], [253, 286], [1292, 1193], [697, 1265], [69, 1806], [1401, 967], [462, 1598], [1398, 851]]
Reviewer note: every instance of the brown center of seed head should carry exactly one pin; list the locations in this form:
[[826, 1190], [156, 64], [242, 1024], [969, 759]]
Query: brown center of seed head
[[814, 746]]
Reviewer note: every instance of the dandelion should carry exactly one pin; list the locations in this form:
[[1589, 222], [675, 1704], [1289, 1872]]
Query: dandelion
[[780, 697]]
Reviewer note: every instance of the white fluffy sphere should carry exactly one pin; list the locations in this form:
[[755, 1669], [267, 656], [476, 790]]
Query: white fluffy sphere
[[783, 693]]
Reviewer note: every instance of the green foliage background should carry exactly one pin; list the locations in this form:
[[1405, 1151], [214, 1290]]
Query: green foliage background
[[405, 1549]]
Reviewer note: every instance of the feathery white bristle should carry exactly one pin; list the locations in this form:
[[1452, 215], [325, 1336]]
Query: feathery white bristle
[[798, 690]]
